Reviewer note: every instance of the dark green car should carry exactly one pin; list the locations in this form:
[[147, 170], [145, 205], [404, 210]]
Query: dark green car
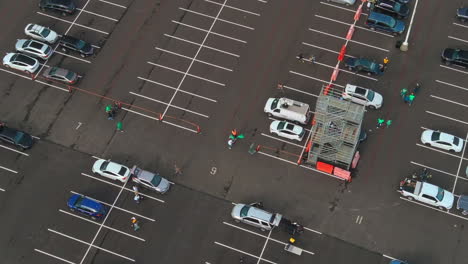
[[364, 65]]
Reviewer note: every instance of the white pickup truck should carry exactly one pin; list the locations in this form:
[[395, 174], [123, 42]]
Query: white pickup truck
[[426, 193]]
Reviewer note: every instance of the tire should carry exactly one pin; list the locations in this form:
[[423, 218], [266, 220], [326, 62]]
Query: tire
[[270, 115], [42, 9], [237, 221], [6, 66], [350, 68], [427, 144], [372, 107], [64, 13], [451, 150], [82, 55], [71, 209], [372, 28], [442, 208], [94, 218], [447, 62], [262, 229], [410, 198]]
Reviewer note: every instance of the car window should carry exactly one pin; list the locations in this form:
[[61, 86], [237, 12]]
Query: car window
[[123, 171], [429, 197], [156, 180], [360, 91], [290, 127], [440, 194], [70, 75], [252, 220], [110, 172], [244, 211], [444, 143], [435, 136], [45, 32], [6, 139], [264, 224], [456, 141], [19, 136], [104, 165], [371, 95]]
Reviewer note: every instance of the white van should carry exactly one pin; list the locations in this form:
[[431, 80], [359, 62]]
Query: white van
[[288, 109]]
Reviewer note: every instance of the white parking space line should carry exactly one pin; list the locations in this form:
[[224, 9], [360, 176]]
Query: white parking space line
[[167, 104], [96, 14], [460, 25], [114, 4], [7, 169], [73, 57], [186, 73], [449, 118], [282, 140], [447, 100], [174, 88], [90, 245], [233, 8], [312, 230], [264, 247], [73, 23], [209, 31], [349, 24], [197, 60], [342, 8], [17, 74], [313, 78], [452, 85], [138, 113], [204, 46], [458, 39], [433, 208], [278, 158], [116, 207], [440, 151], [299, 91], [260, 235], [212, 17], [244, 252], [164, 121], [459, 164], [453, 69], [120, 186], [14, 150], [53, 256], [53, 86], [329, 50], [434, 169], [108, 227], [179, 126], [353, 41]]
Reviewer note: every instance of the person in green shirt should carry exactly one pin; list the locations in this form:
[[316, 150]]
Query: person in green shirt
[[411, 98], [380, 122]]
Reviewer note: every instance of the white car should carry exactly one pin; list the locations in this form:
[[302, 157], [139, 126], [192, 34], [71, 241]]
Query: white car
[[111, 170], [33, 48], [442, 140], [41, 33], [287, 130], [363, 96], [344, 2], [20, 62]]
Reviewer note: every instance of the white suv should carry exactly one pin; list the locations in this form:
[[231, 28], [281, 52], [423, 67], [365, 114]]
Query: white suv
[[254, 216], [363, 96]]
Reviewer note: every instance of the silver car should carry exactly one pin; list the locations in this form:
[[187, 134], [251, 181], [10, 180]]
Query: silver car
[[149, 180], [254, 216], [344, 2], [20, 62], [34, 48], [60, 75], [41, 33]]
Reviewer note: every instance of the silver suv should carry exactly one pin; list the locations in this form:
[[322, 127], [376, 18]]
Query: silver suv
[[254, 216]]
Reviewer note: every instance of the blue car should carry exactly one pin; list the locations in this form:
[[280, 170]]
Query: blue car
[[363, 65], [378, 21], [87, 206], [395, 261]]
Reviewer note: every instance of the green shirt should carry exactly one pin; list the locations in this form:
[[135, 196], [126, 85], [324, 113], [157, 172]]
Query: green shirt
[[411, 97], [381, 121], [108, 108]]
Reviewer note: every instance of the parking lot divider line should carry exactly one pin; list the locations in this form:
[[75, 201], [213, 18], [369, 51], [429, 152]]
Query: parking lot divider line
[[185, 74], [95, 157], [174, 106], [53, 256], [449, 118], [433, 208], [212, 17], [51, 85], [17, 74], [204, 46], [187, 57], [14, 150], [119, 186], [7, 169], [453, 69], [96, 14], [434, 169], [447, 100], [210, 32], [179, 126], [316, 79], [282, 140], [90, 244], [73, 23], [173, 88], [459, 39], [118, 208], [243, 252], [353, 41], [325, 49], [278, 158], [108, 227], [343, 8], [440, 151], [459, 164], [299, 91], [264, 246], [3, 190], [138, 113], [234, 8], [349, 24], [312, 230], [460, 25], [453, 85], [114, 4], [73, 57]]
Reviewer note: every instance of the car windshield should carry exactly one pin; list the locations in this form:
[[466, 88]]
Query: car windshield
[[19, 136], [70, 75], [435, 136], [26, 44], [79, 201], [47, 50], [104, 165], [290, 127], [80, 44], [281, 125], [370, 95], [391, 22], [397, 6], [274, 104], [244, 211], [123, 171], [440, 194], [45, 32], [456, 141], [156, 180], [272, 219]]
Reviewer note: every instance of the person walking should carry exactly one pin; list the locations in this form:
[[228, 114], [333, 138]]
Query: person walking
[[137, 198], [389, 122], [386, 61], [110, 112], [135, 189], [411, 99], [380, 122], [135, 224], [403, 93], [120, 126], [177, 170]]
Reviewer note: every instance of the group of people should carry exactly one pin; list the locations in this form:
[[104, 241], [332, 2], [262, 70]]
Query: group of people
[[407, 96]]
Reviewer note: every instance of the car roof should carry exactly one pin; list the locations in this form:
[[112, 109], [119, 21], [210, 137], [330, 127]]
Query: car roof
[[69, 39], [56, 71], [114, 167], [259, 214], [380, 17], [8, 132], [23, 58]]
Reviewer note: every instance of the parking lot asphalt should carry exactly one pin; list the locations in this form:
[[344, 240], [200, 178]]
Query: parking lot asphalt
[[186, 74]]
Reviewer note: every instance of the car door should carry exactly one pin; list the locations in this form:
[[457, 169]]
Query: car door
[[429, 199], [359, 99], [146, 184], [443, 145], [265, 225], [110, 174], [287, 134], [251, 221]]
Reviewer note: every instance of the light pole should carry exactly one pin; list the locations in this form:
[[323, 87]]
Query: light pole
[[405, 44]]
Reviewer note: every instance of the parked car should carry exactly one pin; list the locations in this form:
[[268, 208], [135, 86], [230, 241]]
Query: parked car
[[382, 22], [288, 109], [34, 48], [287, 130], [111, 170], [15, 137], [71, 43], [60, 75], [344, 2], [254, 216], [20, 62], [426, 193], [41, 33], [455, 56], [364, 65], [149, 180], [442, 140], [64, 7], [363, 96], [86, 206], [462, 14], [392, 8]]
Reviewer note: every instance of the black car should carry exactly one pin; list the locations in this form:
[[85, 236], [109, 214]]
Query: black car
[[65, 7], [78, 45], [15, 137], [392, 8], [462, 14], [455, 56]]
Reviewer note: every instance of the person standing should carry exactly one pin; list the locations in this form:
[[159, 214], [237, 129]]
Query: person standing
[[135, 224], [403, 93], [109, 111], [380, 122], [411, 99], [389, 122], [120, 126]]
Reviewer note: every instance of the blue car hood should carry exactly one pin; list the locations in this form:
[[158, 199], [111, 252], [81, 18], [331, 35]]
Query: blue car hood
[[399, 27]]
